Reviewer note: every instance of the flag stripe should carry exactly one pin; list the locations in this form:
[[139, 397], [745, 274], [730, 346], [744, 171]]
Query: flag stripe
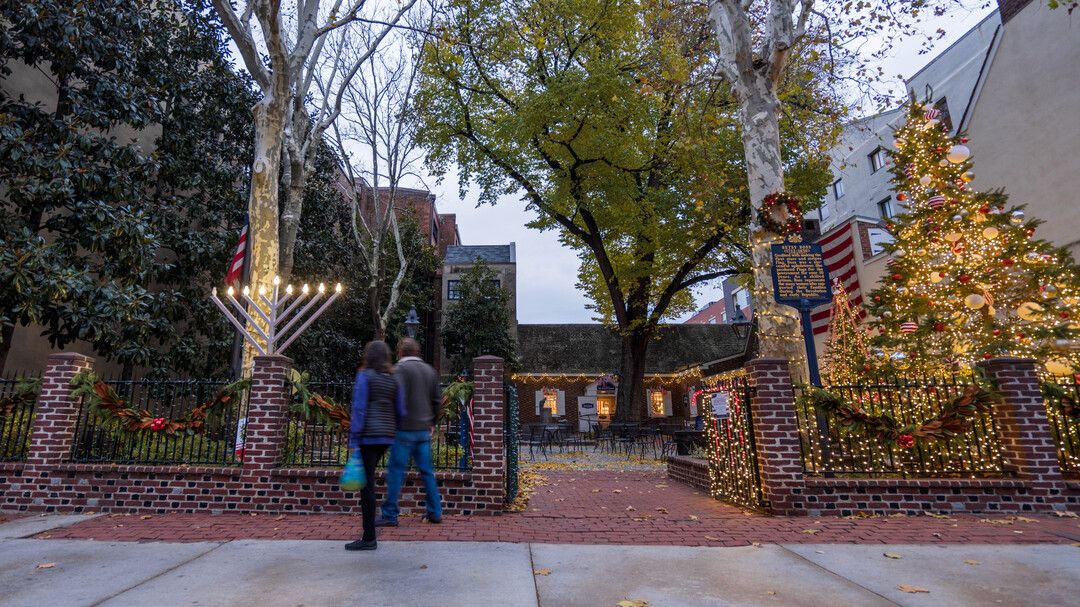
[[236, 266]]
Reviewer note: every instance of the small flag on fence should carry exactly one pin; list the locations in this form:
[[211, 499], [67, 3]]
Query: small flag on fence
[[236, 266], [241, 430]]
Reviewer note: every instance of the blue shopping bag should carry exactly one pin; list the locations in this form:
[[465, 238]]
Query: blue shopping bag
[[352, 477]]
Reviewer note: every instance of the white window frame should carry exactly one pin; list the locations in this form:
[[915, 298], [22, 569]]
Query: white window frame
[[560, 402], [878, 160], [838, 189], [885, 208]]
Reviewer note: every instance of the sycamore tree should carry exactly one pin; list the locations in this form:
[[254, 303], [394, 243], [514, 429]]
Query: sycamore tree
[[608, 119]]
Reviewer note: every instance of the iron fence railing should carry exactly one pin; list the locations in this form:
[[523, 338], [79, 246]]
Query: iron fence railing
[[1065, 422], [102, 442], [309, 443], [838, 451], [730, 447], [16, 418]]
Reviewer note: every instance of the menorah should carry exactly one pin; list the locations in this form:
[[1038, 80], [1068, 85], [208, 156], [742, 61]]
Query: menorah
[[280, 313]]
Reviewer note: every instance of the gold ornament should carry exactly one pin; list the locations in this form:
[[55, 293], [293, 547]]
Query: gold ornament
[[974, 301], [1059, 366], [990, 233], [1029, 310]]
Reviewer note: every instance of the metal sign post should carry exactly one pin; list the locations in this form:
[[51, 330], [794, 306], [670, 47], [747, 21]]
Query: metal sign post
[[801, 280]]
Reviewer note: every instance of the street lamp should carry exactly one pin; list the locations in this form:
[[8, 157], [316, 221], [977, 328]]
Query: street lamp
[[740, 325], [412, 323]]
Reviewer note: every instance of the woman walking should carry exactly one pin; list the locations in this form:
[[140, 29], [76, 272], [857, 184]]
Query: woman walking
[[378, 403]]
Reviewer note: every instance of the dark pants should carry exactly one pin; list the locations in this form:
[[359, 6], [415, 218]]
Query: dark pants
[[370, 454]]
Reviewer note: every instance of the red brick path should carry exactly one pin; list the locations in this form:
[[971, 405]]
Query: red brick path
[[597, 507]]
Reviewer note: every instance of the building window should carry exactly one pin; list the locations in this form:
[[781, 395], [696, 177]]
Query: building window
[[838, 189], [711, 321], [885, 208], [877, 160], [878, 239], [742, 298], [605, 405], [496, 282], [942, 106], [825, 211], [551, 401], [659, 400], [453, 290]]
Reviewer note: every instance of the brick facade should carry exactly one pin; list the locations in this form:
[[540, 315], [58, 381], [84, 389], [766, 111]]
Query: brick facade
[[48, 482], [1035, 482]]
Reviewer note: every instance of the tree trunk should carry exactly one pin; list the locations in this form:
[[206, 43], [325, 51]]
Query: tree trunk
[[7, 333], [290, 215], [374, 305], [778, 325], [630, 398], [263, 199]]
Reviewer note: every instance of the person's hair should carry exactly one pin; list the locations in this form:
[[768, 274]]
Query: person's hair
[[376, 356], [408, 347]]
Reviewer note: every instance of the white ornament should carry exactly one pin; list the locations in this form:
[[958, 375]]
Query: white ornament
[[974, 301], [990, 233], [958, 153], [925, 180]]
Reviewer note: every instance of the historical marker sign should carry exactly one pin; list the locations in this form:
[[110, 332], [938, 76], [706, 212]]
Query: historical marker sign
[[800, 277]]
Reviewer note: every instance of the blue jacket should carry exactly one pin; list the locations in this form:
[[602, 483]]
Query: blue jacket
[[360, 413]]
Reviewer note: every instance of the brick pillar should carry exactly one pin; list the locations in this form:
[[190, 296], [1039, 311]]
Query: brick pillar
[[776, 435], [267, 414], [56, 413], [489, 450], [1027, 443]]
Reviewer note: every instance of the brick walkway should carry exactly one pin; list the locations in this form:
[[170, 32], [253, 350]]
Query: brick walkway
[[598, 507]]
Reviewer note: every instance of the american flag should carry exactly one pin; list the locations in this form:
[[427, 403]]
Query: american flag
[[236, 266], [932, 113], [838, 249]]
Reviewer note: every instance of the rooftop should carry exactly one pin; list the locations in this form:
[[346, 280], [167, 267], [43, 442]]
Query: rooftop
[[491, 253]]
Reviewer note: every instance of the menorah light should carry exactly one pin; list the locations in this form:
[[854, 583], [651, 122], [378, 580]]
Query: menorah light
[[280, 313]]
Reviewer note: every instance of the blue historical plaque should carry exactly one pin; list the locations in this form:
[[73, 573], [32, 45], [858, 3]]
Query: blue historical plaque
[[800, 277]]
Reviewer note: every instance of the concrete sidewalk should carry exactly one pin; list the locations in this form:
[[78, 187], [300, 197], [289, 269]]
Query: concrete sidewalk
[[267, 573]]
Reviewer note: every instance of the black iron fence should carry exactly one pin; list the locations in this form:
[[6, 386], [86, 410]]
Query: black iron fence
[[309, 443], [17, 401], [1063, 413], [729, 443], [98, 441], [838, 451]]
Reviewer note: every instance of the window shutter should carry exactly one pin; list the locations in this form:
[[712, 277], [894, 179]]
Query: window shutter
[[539, 401], [667, 404], [561, 406]]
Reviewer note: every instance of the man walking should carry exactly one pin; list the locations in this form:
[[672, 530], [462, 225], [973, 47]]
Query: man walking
[[423, 404]]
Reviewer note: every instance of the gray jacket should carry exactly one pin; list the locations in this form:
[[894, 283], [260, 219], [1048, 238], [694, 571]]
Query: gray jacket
[[423, 397]]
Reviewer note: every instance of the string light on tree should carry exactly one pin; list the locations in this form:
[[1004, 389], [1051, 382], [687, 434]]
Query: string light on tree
[[971, 280]]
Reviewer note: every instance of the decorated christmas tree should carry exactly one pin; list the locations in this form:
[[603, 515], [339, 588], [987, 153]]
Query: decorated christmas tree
[[967, 280], [847, 356]]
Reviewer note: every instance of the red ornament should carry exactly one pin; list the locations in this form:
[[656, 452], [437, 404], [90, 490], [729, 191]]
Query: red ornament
[[897, 277], [996, 332], [158, 424], [1020, 335], [905, 441], [889, 226], [987, 356], [1064, 315], [1007, 261], [984, 209], [964, 278], [963, 140], [901, 196], [877, 298], [938, 149], [1030, 232], [939, 327]]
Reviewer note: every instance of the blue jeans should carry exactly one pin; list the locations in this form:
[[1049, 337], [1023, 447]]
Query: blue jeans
[[417, 446]]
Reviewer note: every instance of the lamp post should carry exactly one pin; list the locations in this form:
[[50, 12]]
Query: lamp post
[[740, 325], [412, 323]]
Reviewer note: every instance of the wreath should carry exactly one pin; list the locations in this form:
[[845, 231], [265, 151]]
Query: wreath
[[107, 405], [955, 417], [780, 213], [25, 393], [1061, 398]]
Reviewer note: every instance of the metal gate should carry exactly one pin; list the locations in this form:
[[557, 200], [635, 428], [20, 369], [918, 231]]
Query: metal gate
[[733, 467], [510, 440]]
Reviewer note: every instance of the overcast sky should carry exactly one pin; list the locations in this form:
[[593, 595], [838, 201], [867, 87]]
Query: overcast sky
[[546, 272]]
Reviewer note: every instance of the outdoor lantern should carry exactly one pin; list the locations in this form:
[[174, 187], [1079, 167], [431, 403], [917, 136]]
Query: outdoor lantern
[[740, 325], [412, 323]]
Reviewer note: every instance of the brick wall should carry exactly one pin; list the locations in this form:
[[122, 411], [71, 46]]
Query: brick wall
[[690, 470], [48, 482], [1034, 484]]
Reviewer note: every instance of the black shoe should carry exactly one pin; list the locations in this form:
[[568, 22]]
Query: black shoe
[[362, 545], [385, 522], [431, 518]]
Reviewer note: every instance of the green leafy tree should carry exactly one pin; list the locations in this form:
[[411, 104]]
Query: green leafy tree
[[969, 279], [479, 323], [608, 119]]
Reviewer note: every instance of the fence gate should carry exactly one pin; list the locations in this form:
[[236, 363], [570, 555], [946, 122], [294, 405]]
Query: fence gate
[[733, 467], [510, 439]]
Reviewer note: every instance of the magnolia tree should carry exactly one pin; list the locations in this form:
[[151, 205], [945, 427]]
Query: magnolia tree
[[285, 46], [759, 42]]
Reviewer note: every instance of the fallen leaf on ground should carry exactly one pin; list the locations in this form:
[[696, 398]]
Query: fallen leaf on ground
[[542, 571], [254, 514], [1018, 532], [937, 535], [941, 516], [756, 544], [693, 517], [771, 592], [971, 562], [46, 565], [811, 531], [892, 555], [716, 539], [616, 490], [596, 491], [423, 566], [145, 517], [279, 517], [1024, 519], [997, 521], [661, 509], [633, 603], [661, 486], [1065, 514], [630, 508], [275, 528], [910, 588]]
